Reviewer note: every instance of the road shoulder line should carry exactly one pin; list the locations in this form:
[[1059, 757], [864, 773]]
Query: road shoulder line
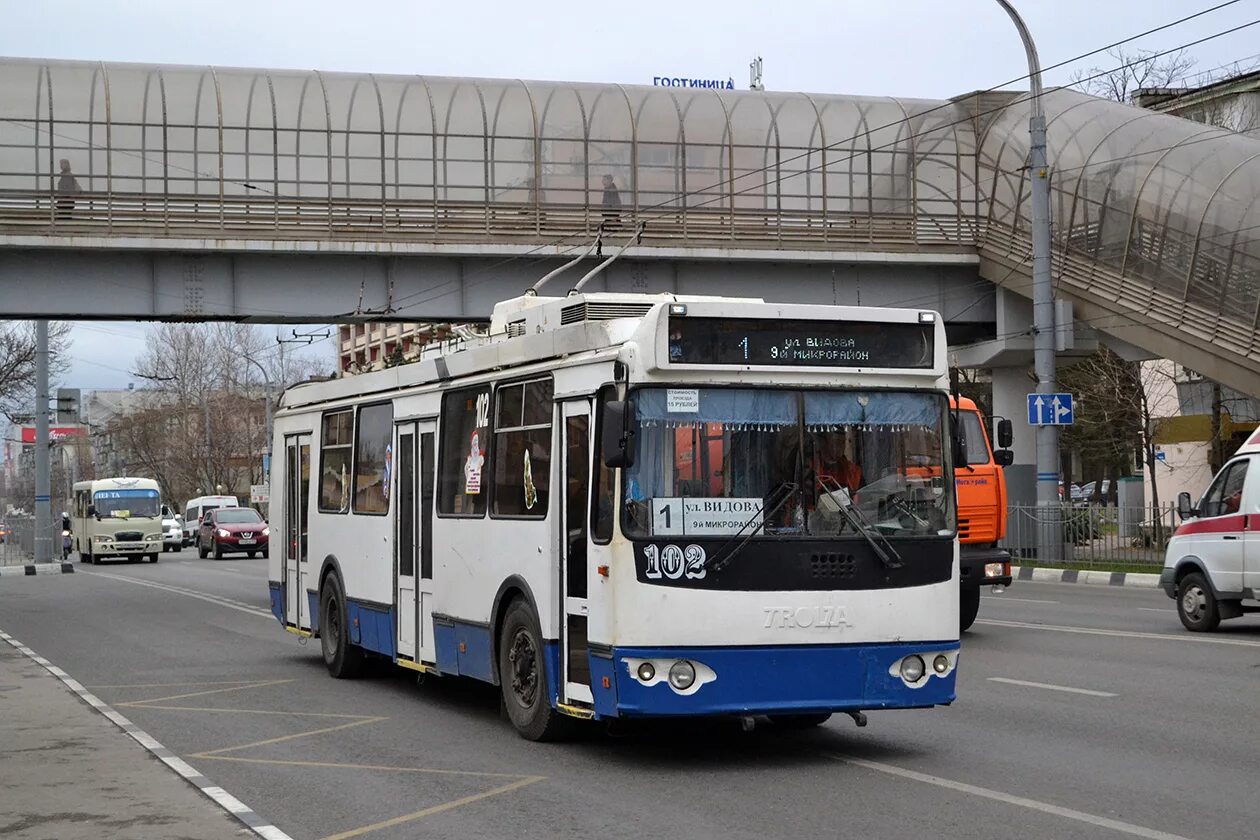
[[216, 794]]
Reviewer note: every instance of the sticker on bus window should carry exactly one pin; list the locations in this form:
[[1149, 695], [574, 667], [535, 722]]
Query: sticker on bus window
[[682, 400], [531, 492], [472, 466], [701, 517]]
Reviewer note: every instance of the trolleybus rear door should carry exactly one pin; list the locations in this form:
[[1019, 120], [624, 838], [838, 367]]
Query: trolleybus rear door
[[297, 492], [405, 543], [576, 449], [413, 539]]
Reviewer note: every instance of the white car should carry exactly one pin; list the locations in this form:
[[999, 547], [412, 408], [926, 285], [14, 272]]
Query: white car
[[1211, 568], [172, 533]]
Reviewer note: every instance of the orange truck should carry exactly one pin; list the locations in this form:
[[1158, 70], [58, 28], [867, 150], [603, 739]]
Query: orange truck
[[981, 487]]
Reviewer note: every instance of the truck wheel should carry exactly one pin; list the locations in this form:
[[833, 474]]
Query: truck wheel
[[523, 678], [343, 660], [1196, 606], [968, 608]]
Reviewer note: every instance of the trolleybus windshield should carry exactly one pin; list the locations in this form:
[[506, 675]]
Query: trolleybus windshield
[[707, 461]]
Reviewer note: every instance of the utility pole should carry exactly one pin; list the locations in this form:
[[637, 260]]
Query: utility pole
[[43, 453], [267, 406], [1049, 512]]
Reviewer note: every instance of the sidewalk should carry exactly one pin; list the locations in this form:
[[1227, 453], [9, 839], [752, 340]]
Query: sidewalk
[[68, 773]]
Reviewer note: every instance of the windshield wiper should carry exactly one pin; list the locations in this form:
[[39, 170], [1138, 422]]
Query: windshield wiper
[[858, 521], [721, 557]]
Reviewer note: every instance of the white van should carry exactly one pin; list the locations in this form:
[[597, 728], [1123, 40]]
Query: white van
[[196, 508], [1212, 567]]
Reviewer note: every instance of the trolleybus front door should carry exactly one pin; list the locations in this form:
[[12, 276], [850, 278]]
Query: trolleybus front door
[[297, 492], [413, 543], [576, 446]]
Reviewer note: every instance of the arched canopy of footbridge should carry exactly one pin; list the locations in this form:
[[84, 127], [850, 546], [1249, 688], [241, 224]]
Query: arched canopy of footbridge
[[1156, 222], [177, 150]]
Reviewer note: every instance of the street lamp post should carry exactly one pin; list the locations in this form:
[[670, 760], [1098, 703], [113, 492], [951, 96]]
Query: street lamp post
[[1050, 534], [267, 402]]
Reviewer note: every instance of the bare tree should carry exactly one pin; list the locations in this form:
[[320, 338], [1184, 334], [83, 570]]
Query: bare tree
[[202, 423], [1134, 71], [17, 363]]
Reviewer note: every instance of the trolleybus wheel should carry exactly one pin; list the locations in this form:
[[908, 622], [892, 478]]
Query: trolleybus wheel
[[344, 660], [523, 678], [800, 721], [968, 608]]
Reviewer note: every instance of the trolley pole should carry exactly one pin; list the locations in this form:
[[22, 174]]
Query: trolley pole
[[43, 452]]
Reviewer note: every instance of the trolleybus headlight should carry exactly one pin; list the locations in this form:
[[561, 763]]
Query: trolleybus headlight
[[682, 674], [941, 663], [647, 671], [912, 668]]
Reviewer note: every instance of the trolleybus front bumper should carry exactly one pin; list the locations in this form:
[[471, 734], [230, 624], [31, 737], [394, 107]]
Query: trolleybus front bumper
[[636, 682]]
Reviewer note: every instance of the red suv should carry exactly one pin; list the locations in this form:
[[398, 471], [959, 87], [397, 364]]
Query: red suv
[[227, 530]]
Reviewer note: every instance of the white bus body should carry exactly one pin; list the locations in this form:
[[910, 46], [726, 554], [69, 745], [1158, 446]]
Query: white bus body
[[459, 515], [117, 517]]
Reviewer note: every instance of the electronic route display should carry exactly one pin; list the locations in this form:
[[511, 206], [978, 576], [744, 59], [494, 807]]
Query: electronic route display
[[799, 343]]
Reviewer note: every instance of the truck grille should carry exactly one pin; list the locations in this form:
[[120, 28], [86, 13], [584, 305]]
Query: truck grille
[[129, 536]]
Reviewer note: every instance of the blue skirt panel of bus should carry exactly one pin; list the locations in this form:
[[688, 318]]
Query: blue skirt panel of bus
[[372, 628], [770, 680], [312, 600], [277, 599], [463, 649]]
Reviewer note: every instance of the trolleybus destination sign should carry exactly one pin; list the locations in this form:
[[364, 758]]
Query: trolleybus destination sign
[[799, 343]]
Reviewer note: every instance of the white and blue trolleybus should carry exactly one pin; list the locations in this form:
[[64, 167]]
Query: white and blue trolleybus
[[622, 505]]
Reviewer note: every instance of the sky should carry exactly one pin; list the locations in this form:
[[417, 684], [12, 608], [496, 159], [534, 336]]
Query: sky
[[911, 48]]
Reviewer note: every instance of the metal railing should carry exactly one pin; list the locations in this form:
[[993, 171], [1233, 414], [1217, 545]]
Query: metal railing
[[1096, 535], [18, 547]]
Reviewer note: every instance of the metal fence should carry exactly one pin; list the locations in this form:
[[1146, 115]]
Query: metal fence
[[19, 540], [1096, 535]]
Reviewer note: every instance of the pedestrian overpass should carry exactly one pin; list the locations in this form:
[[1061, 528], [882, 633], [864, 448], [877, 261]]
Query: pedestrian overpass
[[273, 196]]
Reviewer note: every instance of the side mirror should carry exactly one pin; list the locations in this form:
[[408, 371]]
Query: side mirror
[[1003, 457], [1005, 435], [1184, 508], [91, 510], [166, 511], [617, 438]]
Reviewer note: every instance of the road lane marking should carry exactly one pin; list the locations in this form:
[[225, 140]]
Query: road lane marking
[[1011, 799], [191, 593], [437, 809], [1122, 634], [256, 684], [1021, 600], [173, 685], [341, 765], [281, 739], [1164, 610], [218, 795], [1052, 687]]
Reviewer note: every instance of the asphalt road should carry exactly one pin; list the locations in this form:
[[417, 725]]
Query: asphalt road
[[1083, 711]]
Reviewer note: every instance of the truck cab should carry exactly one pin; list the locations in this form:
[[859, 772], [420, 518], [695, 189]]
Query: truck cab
[[981, 488], [1212, 565]]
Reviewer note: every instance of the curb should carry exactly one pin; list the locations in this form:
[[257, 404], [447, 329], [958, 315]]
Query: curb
[[1091, 576], [216, 794], [37, 569]]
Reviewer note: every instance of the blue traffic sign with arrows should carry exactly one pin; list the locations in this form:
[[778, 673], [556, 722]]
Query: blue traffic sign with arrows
[[1049, 409]]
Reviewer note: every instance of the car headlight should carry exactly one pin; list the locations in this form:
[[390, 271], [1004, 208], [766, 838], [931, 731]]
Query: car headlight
[[941, 663], [682, 674], [103, 538], [222, 532], [912, 668], [266, 532], [153, 537]]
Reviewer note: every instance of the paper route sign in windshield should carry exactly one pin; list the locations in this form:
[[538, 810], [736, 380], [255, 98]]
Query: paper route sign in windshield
[[672, 515]]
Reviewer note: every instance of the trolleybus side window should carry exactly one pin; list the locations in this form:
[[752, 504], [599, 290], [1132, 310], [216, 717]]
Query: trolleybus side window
[[465, 445], [603, 500], [522, 449], [373, 458], [335, 451]]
